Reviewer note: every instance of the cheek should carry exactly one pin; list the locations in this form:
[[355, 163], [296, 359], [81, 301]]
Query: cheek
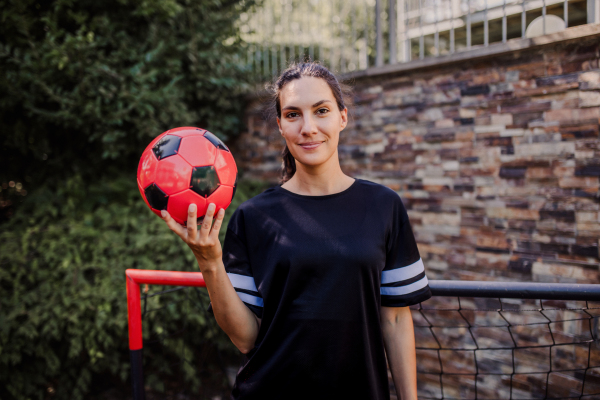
[[288, 128], [333, 130], [334, 142]]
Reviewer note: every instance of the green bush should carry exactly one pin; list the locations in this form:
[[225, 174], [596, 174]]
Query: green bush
[[62, 274], [88, 81], [86, 85]]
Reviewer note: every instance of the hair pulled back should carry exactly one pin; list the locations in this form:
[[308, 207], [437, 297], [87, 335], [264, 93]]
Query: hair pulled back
[[297, 71]]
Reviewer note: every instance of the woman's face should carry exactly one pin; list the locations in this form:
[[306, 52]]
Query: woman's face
[[310, 120]]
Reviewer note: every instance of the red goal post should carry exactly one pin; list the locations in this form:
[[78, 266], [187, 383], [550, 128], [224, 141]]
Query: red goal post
[[135, 277]]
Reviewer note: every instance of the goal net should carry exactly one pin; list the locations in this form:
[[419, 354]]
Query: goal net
[[474, 340], [505, 348]]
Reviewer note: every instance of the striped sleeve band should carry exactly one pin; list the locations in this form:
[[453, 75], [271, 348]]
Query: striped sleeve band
[[246, 289], [407, 289], [404, 280]]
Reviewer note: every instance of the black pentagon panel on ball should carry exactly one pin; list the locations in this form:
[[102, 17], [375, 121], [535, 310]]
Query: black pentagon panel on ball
[[156, 197], [234, 188], [204, 180], [167, 146], [215, 140]]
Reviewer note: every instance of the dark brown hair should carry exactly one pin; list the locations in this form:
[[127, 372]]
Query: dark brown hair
[[297, 71]]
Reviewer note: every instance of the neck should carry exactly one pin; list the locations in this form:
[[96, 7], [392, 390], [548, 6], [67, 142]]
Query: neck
[[320, 180]]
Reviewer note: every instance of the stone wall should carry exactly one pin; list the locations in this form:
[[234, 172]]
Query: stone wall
[[497, 160]]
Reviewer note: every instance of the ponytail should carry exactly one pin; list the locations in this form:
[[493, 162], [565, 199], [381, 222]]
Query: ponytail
[[288, 165]]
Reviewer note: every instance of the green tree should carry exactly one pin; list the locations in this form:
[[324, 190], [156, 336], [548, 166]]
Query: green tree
[[86, 85], [62, 274], [84, 82]]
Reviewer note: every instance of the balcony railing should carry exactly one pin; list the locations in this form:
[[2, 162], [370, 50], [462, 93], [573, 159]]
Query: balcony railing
[[352, 35]]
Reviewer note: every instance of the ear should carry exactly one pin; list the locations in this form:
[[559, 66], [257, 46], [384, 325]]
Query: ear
[[279, 126], [344, 114]]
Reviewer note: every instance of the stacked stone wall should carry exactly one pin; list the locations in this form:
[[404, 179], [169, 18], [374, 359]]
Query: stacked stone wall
[[497, 161]]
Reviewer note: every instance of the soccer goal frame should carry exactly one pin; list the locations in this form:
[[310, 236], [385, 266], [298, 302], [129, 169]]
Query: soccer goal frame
[[135, 278], [443, 288]]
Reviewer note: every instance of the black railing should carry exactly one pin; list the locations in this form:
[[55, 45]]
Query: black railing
[[516, 290]]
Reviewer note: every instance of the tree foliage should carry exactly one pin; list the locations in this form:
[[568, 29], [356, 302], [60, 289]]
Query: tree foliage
[[86, 85], [62, 274], [86, 81]]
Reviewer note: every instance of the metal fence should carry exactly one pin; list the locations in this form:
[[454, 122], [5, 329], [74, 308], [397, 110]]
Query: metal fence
[[350, 35]]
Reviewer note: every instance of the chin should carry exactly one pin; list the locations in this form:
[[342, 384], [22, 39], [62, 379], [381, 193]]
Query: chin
[[313, 161]]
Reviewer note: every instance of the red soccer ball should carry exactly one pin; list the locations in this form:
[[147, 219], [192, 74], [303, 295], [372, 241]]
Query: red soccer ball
[[184, 166]]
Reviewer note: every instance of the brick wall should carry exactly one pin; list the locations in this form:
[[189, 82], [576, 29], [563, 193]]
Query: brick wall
[[498, 163], [497, 160]]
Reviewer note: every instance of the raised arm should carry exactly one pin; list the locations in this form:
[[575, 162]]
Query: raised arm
[[399, 340], [238, 322]]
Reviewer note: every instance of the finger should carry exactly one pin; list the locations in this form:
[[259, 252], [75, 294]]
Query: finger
[[217, 225], [208, 219], [192, 228], [172, 224]]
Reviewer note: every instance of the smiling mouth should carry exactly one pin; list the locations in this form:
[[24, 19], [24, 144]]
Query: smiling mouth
[[310, 145]]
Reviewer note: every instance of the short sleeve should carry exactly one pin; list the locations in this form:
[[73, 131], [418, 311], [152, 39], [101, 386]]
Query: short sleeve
[[237, 264], [403, 280]]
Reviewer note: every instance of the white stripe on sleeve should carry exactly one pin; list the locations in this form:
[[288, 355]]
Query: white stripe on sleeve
[[242, 282], [400, 290], [252, 300], [403, 273]]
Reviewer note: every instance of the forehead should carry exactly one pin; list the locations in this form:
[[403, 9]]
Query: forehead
[[305, 92]]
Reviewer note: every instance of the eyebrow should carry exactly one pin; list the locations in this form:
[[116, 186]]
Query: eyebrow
[[317, 104]]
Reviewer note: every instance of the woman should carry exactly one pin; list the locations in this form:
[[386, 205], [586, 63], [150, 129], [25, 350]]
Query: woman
[[316, 274]]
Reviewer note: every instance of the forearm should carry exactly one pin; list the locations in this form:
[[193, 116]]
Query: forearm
[[238, 322], [399, 340], [232, 315]]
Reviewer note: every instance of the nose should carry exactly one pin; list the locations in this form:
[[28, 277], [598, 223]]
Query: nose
[[309, 126]]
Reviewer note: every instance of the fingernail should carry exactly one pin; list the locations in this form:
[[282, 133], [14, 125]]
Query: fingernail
[[192, 208], [212, 206], [221, 211], [163, 213]]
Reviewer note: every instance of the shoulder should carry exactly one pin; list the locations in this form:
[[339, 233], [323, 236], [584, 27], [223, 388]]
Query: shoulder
[[245, 214], [263, 201], [379, 193], [257, 205], [387, 202]]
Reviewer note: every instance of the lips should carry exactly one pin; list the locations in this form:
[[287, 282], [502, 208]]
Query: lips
[[310, 145]]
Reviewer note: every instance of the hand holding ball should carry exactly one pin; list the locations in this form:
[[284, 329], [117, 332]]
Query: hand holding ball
[[186, 166]]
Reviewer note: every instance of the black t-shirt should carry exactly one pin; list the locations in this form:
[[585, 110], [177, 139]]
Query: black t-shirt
[[316, 270]]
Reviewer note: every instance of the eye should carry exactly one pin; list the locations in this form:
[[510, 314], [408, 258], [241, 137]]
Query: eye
[[322, 111], [292, 114]]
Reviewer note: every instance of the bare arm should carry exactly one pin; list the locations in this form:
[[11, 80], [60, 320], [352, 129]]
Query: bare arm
[[399, 340], [238, 322]]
